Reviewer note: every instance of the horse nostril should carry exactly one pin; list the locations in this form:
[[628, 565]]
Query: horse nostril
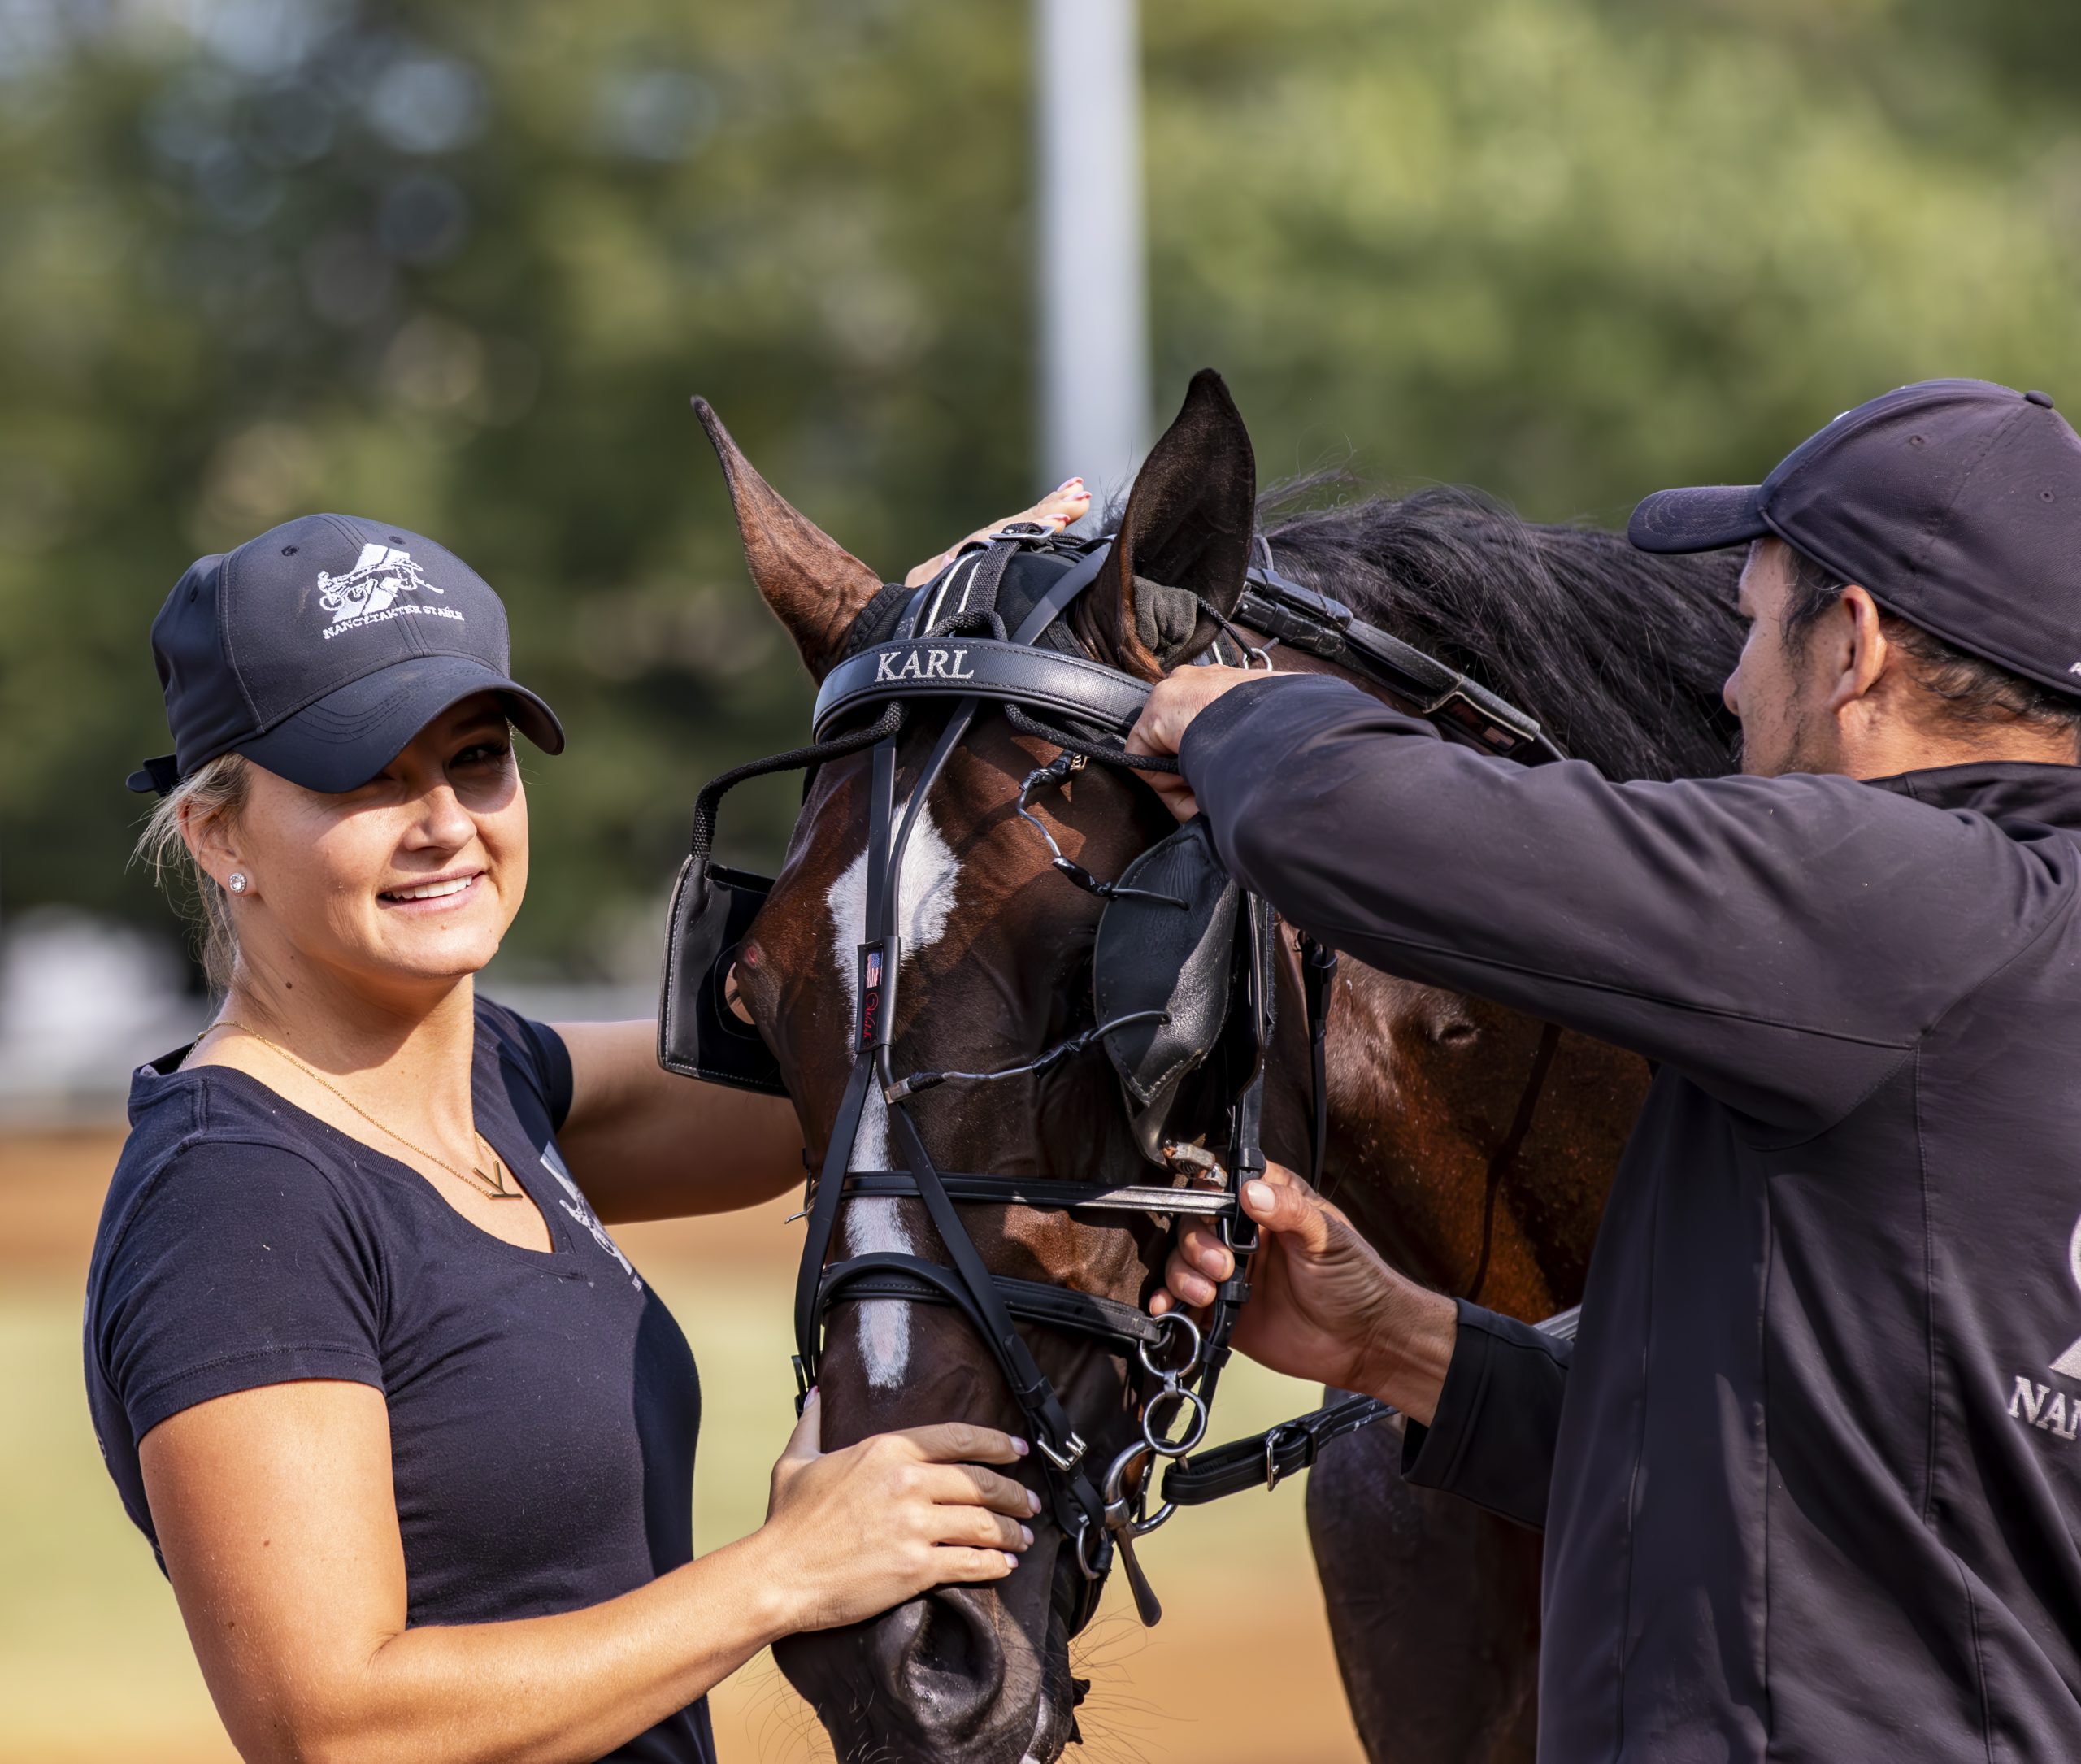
[[947, 1662]]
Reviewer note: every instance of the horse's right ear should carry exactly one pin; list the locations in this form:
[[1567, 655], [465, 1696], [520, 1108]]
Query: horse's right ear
[[1183, 543], [816, 586]]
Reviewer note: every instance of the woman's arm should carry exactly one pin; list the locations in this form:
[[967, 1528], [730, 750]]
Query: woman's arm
[[644, 1143], [275, 1516]]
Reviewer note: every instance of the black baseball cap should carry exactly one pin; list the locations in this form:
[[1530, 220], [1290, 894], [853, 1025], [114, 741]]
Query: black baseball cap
[[1955, 503], [321, 648]]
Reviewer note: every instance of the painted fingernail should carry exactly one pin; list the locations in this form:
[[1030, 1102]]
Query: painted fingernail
[[1026, 1531], [1020, 1446], [1010, 1560]]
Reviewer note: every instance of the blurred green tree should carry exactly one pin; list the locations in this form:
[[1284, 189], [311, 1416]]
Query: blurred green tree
[[460, 265]]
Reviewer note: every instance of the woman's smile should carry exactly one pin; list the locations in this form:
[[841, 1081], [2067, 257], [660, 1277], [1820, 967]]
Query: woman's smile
[[437, 894]]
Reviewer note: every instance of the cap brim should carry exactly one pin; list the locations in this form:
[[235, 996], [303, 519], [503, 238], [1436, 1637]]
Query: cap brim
[[1701, 519], [343, 740]]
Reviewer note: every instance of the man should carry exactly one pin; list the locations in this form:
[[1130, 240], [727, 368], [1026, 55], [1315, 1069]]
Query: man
[[1809, 1476]]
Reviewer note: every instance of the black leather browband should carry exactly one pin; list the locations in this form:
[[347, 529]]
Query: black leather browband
[[980, 668]]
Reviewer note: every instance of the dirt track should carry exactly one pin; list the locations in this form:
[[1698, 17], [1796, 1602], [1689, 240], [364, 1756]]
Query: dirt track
[[94, 1665]]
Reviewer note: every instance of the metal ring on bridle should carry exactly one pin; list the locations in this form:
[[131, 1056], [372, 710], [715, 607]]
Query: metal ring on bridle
[[1195, 1427], [1190, 1332], [1120, 1505]]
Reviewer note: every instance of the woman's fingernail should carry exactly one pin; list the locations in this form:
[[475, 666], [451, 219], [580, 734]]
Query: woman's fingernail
[[1032, 1502], [1020, 1446], [1026, 1531]]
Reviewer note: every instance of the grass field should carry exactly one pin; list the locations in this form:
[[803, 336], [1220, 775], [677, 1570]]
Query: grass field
[[95, 1664]]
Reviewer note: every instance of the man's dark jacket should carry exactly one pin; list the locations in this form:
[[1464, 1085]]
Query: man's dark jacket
[[1809, 1476]]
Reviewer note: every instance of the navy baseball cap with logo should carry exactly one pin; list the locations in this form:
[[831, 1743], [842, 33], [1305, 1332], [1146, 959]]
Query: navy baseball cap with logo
[[1955, 503], [320, 649]]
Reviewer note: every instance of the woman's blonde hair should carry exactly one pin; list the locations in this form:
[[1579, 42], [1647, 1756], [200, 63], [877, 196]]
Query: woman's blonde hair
[[218, 788]]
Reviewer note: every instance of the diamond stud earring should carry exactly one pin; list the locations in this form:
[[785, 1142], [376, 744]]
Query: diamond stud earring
[[237, 882]]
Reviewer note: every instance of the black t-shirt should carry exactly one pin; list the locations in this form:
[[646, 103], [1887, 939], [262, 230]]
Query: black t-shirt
[[543, 1405]]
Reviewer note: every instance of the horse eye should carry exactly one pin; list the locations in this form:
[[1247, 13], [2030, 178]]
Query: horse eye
[[1457, 1034], [734, 999]]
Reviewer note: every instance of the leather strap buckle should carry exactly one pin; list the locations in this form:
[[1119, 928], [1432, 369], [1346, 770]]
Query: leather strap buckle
[[1066, 1459], [1274, 1437]]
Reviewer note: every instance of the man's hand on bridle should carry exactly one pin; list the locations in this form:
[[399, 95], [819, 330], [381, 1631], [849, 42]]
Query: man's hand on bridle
[[1322, 1305], [1176, 700]]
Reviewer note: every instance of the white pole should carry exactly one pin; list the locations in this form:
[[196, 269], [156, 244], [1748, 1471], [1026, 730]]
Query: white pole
[[1091, 279]]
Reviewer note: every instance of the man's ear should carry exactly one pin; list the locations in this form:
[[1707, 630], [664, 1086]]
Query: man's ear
[[1860, 649], [816, 586], [1184, 540]]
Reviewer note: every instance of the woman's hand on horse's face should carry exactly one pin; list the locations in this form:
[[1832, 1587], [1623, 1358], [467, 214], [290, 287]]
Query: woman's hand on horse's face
[[860, 1530], [1176, 699], [1065, 504], [1322, 1305]]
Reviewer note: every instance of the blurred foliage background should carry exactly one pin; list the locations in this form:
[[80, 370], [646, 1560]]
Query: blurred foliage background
[[459, 265]]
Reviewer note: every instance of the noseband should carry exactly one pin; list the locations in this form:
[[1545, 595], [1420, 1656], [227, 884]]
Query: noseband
[[948, 641]]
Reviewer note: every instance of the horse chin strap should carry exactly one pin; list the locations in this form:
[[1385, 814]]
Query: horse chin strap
[[950, 643]]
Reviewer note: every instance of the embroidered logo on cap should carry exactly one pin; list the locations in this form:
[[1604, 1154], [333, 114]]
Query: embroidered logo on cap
[[367, 594]]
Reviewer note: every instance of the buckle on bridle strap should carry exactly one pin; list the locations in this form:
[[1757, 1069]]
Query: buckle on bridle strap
[[1276, 1437], [1066, 1459]]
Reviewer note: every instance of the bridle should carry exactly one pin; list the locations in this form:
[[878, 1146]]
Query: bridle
[[948, 641]]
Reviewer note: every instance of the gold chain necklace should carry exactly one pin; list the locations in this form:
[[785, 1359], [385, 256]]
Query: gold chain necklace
[[492, 1187]]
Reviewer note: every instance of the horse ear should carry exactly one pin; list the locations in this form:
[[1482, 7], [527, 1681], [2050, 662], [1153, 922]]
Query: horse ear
[[1184, 541], [816, 586]]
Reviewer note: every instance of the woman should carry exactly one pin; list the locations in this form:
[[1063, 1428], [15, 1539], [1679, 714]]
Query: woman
[[412, 1440]]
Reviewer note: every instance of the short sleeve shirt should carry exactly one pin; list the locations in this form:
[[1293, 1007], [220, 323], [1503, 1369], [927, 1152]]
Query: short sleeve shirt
[[543, 1405]]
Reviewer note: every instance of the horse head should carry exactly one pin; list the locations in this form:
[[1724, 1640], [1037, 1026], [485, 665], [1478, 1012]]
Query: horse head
[[995, 969]]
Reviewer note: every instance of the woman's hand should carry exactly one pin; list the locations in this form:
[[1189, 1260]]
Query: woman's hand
[[1323, 1306], [860, 1530], [1068, 502]]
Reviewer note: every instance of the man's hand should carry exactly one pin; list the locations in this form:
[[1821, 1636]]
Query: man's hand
[[1323, 1306], [1177, 699], [1067, 503]]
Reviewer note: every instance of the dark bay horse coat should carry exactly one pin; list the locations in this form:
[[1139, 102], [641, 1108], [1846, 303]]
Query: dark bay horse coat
[[1809, 1477]]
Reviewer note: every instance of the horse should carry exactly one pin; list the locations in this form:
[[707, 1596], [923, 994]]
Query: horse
[[1472, 1145]]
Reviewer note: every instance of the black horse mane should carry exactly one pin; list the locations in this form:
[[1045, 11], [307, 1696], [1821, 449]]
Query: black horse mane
[[1619, 654]]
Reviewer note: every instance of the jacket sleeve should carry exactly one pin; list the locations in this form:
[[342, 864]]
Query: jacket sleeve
[[1781, 941], [1492, 1439]]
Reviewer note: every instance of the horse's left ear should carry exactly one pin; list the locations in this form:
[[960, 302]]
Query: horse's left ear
[[1184, 540]]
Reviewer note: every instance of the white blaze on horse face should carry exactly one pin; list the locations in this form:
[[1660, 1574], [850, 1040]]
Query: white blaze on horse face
[[927, 889]]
